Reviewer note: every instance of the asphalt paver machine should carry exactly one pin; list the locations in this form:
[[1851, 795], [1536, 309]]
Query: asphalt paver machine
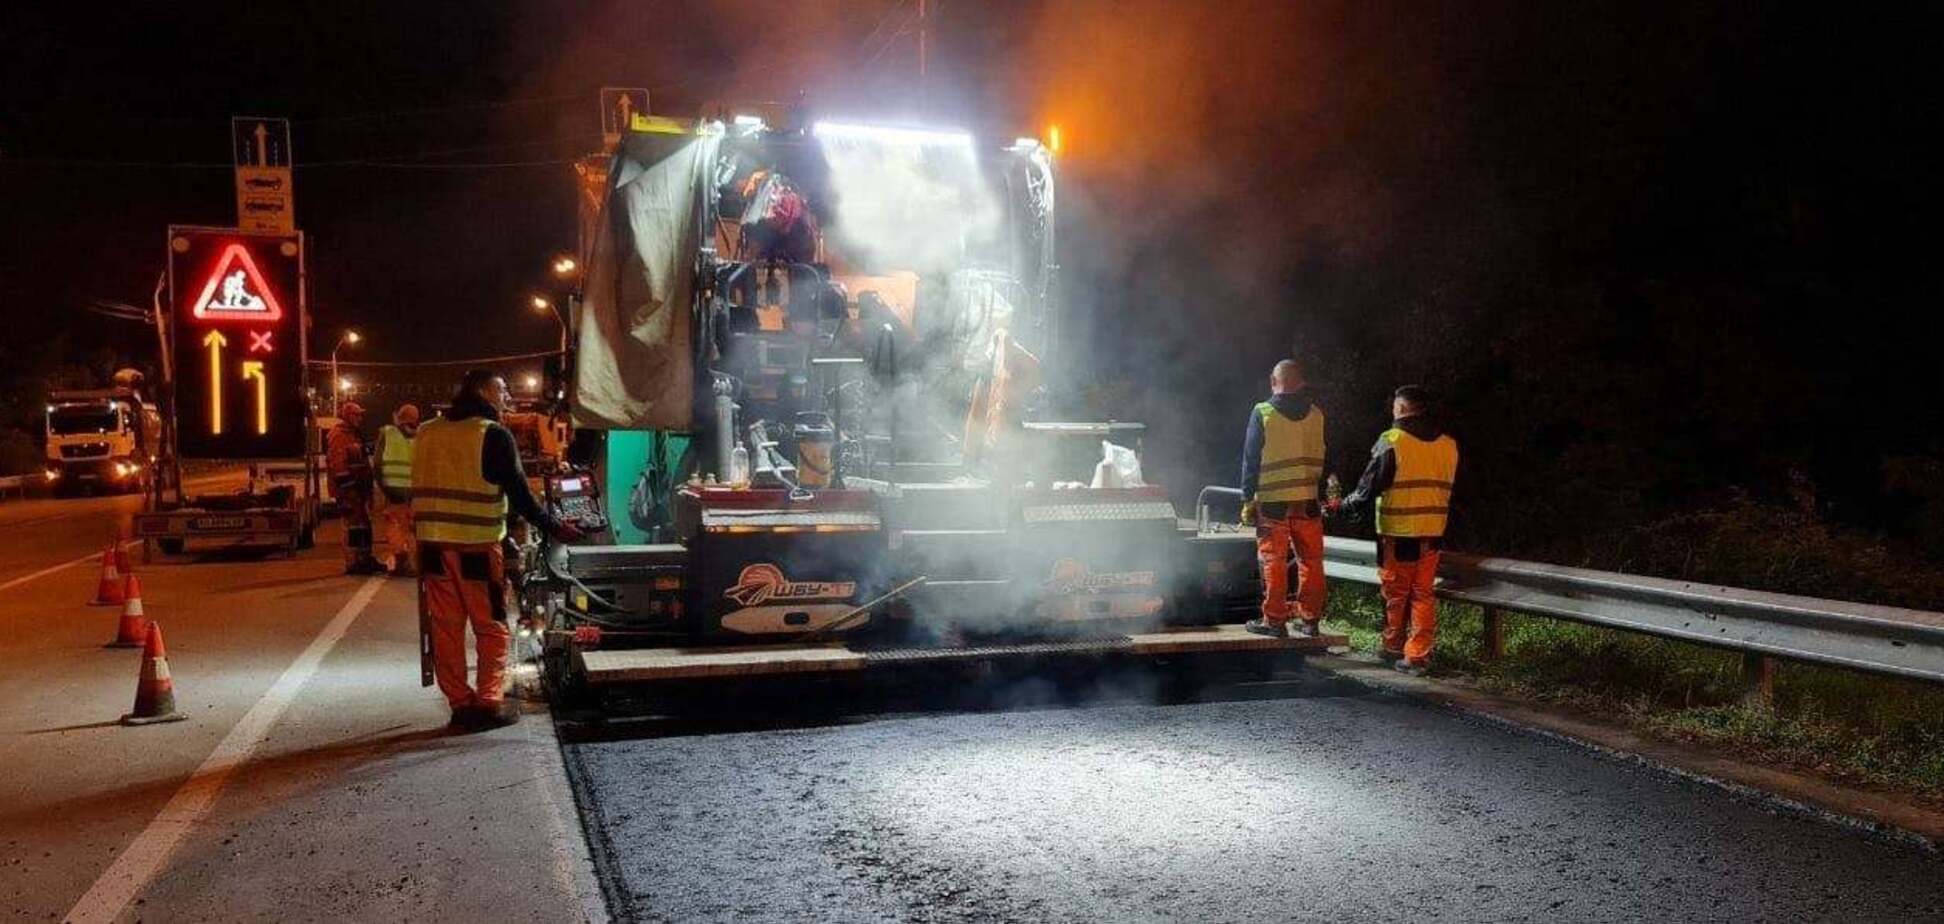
[[816, 392]]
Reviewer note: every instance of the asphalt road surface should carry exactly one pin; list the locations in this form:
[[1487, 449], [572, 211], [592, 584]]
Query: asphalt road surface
[[1292, 799], [313, 779]]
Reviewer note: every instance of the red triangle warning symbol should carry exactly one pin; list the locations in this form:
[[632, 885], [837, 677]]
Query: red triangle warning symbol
[[236, 291]]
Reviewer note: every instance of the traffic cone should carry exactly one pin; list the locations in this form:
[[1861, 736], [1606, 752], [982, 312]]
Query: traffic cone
[[133, 631], [154, 692], [121, 555], [108, 590]]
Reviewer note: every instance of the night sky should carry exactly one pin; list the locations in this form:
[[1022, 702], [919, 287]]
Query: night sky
[[1667, 250]]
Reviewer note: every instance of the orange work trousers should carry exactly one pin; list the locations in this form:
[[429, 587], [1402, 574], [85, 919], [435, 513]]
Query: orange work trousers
[[401, 540], [1276, 539], [460, 586], [1406, 589]]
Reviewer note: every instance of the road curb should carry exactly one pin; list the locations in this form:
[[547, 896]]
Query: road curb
[[1874, 814], [576, 855]]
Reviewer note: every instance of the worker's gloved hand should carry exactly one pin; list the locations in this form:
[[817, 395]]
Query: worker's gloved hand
[[1352, 510], [1332, 508], [567, 532], [1248, 513]]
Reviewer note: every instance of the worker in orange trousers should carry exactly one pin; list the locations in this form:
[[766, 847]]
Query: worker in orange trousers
[[1409, 480], [466, 477], [1282, 473]]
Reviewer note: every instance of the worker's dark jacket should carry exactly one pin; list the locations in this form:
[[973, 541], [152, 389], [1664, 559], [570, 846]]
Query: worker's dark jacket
[[499, 463], [1294, 405], [1382, 470]]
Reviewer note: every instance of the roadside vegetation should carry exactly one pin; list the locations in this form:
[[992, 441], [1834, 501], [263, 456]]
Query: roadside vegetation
[[1843, 725]]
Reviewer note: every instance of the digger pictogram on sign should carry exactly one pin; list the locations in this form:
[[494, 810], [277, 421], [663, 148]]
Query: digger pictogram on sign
[[237, 290]]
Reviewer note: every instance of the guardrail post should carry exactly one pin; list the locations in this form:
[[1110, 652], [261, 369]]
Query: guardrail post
[[1494, 631], [1758, 679]]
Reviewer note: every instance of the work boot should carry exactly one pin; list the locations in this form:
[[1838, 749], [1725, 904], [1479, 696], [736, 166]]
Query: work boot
[[464, 718], [1309, 628], [1410, 667], [366, 565], [1388, 656], [1270, 627], [496, 715]]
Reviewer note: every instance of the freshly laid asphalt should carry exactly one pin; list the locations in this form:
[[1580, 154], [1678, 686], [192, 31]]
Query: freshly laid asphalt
[[1298, 798]]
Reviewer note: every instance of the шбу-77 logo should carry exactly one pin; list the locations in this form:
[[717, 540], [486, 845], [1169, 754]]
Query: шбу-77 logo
[[764, 582], [1071, 576]]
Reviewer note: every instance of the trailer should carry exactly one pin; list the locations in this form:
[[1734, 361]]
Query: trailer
[[824, 368], [235, 341]]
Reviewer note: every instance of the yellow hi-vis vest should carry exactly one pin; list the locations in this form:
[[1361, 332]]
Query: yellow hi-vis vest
[[451, 501], [1419, 499], [394, 460], [1292, 456]]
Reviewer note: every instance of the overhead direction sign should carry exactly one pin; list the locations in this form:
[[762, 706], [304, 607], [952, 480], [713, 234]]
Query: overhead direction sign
[[237, 299], [265, 198], [619, 106]]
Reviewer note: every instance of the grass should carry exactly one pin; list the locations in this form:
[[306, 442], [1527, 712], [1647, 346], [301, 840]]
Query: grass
[[1856, 728]]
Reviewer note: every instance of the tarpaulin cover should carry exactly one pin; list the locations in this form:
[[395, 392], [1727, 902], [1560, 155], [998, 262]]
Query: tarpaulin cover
[[635, 369]]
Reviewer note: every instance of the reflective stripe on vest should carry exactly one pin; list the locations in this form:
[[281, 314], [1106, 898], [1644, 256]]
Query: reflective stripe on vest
[[394, 460], [1292, 456], [1419, 499], [451, 501]]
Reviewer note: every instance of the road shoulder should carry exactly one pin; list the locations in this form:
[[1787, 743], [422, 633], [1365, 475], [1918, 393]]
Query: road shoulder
[[1877, 812]]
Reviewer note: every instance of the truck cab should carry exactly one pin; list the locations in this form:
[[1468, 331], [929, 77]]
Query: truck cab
[[102, 440]]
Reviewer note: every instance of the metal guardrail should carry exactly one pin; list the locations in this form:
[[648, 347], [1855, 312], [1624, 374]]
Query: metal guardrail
[[13, 484], [1861, 636]]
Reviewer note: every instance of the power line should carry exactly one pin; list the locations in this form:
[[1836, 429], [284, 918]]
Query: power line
[[402, 161], [476, 361]]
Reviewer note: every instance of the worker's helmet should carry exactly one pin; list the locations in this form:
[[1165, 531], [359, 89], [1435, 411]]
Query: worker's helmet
[[351, 410], [406, 415]]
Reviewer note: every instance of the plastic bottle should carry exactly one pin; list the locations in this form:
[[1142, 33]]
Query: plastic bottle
[[739, 466]]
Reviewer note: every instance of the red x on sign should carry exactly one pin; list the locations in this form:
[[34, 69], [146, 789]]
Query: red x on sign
[[260, 341]]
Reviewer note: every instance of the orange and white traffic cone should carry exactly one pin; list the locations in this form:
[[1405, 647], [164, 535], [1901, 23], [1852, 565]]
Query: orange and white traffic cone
[[133, 631], [154, 692], [108, 590]]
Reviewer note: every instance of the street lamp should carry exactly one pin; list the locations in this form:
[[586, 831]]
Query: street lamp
[[532, 382], [338, 383], [565, 266], [544, 305]]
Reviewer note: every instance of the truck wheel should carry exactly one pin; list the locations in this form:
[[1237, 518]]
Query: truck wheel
[[169, 546]]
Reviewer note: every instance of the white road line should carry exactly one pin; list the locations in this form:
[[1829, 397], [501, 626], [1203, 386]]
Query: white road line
[[56, 569], [136, 867]]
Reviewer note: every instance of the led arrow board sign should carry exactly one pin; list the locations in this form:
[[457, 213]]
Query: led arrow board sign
[[238, 309]]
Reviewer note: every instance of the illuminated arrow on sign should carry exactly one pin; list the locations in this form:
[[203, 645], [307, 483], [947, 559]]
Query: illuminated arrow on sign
[[263, 145], [627, 111], [253, 369], [215, 341]]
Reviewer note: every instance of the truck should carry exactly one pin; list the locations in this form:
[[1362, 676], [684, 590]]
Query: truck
[[823, 422], [103, 440]]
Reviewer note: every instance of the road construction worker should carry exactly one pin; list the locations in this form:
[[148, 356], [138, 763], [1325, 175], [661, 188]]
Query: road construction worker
[[348, 462], [465, 476], [395, 486], [1409, 479], [1282, 469]]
